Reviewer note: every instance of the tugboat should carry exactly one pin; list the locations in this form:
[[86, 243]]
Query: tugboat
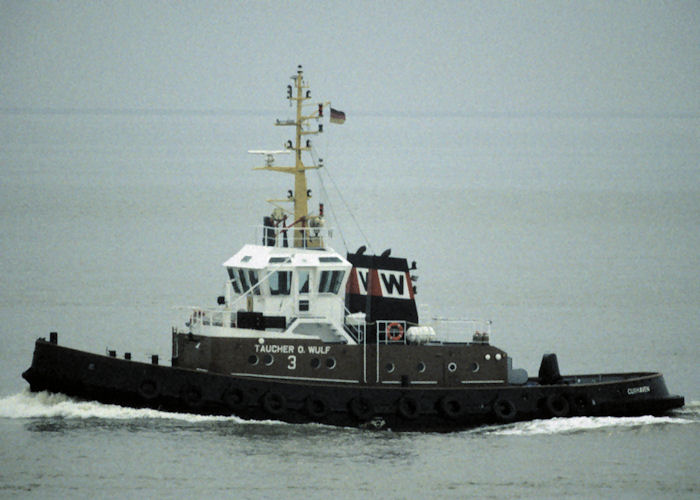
[[306, 334]]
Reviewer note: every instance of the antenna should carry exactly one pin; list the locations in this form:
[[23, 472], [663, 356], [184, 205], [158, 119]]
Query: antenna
[[269, 155], [297, 93]]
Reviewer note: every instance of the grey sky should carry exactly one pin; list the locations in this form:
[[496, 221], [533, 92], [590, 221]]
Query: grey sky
[[510, 57]]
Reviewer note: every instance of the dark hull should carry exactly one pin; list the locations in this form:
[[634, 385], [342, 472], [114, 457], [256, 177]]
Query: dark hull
[[141, 385]]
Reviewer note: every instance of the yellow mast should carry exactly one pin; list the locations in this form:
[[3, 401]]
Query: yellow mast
[[300, 196]]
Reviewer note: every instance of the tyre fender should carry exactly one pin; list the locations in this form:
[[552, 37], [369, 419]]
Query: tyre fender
[[505, 410], [235, 398], [274, 403], [408, 407], [316, 407], [148, 389], [451, 407], [557, 405], [362, 408]]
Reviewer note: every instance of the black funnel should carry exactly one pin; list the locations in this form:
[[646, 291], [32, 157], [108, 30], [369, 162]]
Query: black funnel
[[549, 370]]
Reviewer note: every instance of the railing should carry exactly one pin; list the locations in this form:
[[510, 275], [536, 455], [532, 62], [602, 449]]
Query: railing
[[461, 330], [200, 317], [388, 331], [391, 332], [447, 331], [278, 236], [357, 331]]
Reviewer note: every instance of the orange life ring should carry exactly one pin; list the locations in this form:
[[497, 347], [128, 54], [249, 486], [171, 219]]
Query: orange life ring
[[398, 336]]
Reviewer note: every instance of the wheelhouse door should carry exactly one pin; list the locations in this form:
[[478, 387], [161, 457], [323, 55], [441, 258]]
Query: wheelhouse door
[[304, 277]]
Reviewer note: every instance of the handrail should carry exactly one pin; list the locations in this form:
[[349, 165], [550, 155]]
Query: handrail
[[311, 236], [207, 316], [359, 335], [456, 330]]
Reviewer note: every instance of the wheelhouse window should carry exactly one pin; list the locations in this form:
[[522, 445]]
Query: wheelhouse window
[[279, 260], [329, 259], [304, 281], [253, 276], [243, 280], [280, 283], [330, 281], [234, 279]]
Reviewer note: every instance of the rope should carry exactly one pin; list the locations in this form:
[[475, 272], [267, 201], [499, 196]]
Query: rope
[[340, 195], [328, 199]]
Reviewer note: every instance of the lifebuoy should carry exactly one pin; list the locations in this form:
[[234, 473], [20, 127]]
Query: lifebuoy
[[235, 398], [148, 389], [274, 403], [557, 405], [362, 408], [451, 407], [505, 410], [389, 330], [316, 407], [408, 407]]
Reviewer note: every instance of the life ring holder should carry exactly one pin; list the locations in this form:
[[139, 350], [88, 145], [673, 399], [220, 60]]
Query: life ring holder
[[398, 336]]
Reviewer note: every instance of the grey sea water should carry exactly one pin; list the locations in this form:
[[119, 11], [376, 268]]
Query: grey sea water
[[574, 234]]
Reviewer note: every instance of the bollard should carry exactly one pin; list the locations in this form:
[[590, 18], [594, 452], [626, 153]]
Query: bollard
[[112, 354], [127, 355], [53, 337], [154, 359]]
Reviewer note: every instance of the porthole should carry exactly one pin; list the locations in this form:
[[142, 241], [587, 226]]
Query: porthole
[[475, 367], [315, 362], [452, 367], [253, 359], [487, 357], [268, 359], [498, 356], [390, 367], [330, 363], [420, 367]]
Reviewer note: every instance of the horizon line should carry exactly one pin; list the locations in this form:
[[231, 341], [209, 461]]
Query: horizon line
[[387, 113]]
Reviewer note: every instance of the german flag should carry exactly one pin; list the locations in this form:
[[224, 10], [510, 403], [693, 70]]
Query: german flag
[[337, 116]]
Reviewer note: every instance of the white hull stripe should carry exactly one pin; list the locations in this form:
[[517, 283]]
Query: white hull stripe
[[413, 382], [483, 381], [286, 377]]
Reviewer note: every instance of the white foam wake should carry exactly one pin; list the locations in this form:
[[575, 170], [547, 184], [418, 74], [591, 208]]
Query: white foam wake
[[43, 404], [574, 425], [46, 405]]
